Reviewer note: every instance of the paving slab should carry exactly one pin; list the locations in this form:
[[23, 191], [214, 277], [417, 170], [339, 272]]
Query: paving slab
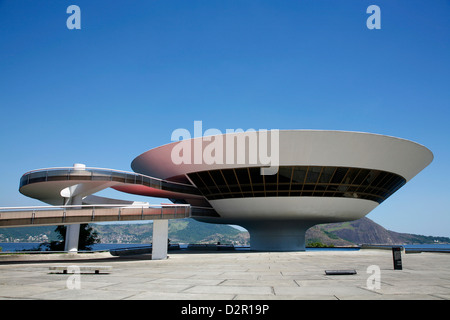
[[236, 276]]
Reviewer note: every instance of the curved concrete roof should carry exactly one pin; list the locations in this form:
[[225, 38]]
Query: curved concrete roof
[[296, 147]]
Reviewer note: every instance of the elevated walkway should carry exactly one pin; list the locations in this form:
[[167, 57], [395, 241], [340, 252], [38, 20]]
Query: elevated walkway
[[53, 185], [79, 214], [74, 215], [62, 186], [70, 192]]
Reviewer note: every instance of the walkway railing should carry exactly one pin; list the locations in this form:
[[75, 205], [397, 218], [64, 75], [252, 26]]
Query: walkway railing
[[62, 215], [101, 174]]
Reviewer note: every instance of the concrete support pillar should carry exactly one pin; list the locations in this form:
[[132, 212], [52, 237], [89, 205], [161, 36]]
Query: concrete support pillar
[[72, 236], [277, 235], [73, 230], [160, 239]]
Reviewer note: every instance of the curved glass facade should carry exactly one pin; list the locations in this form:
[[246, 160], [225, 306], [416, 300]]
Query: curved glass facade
[[298, 181]]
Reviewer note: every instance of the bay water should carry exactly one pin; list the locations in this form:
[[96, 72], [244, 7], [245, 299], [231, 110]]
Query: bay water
[[19, 246]]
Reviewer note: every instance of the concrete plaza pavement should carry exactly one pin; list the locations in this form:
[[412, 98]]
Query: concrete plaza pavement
[[238, 275]]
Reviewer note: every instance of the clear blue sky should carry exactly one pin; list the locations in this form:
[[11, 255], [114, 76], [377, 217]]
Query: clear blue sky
[[137, 70]]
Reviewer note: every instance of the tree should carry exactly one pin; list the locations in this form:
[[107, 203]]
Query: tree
[[88, 237]]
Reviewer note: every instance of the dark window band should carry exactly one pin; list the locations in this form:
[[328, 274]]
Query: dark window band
[[298, 181]]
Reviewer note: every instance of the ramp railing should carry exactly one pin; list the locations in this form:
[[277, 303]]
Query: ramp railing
[[69, 214]]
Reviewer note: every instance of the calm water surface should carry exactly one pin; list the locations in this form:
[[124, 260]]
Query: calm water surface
[[19, 246]]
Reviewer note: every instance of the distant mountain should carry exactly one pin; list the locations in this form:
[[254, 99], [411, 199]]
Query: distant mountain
[[28, 234], [192, 231], [365, 231], [362, 231], [180, 231]]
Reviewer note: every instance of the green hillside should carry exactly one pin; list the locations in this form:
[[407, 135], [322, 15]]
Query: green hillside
[[28, 234], [180, 231]]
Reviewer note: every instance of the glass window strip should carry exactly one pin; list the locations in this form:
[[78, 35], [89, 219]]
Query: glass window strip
[[215, 184], [290, 182], [239, 185], [250, 179], [318, 179], [225, 180], [370, 186], [203, 182], [339, 189]]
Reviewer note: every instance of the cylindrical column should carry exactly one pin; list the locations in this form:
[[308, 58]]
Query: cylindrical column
[[73, 230], [160, 239], [277, 235], [72, 236]]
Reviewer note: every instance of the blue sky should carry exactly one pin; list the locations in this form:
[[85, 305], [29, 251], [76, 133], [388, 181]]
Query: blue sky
[[137, 70]]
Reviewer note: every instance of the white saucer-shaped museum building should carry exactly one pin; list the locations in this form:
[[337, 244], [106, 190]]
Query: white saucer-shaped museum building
[[319, 177]]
